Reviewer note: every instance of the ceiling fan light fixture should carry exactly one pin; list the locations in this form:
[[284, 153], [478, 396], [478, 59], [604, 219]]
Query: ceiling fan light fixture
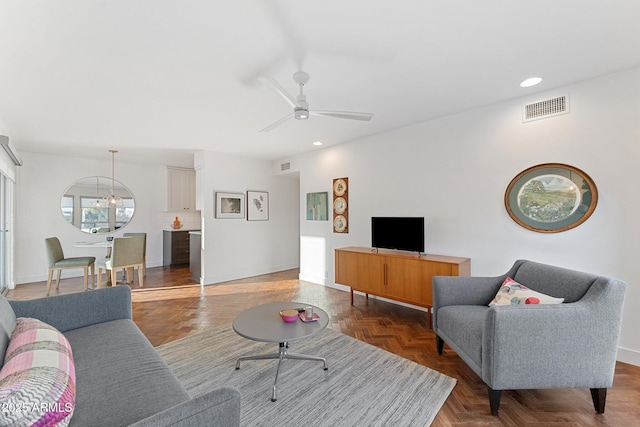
[[301, 114], [300, 105]]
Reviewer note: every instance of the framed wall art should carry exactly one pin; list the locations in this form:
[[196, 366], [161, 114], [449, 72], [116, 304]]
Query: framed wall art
[[229, 205], [341, 205], [317, 207], [551, 197], [257, 206]]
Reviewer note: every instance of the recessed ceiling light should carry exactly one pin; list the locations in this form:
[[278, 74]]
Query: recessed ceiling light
[[318, 143], [531, 82]]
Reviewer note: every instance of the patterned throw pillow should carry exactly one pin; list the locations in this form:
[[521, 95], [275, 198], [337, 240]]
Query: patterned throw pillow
[[37, 381], [513, 293]]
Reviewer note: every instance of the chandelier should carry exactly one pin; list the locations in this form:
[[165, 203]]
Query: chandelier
[[112, 200], [99, 203]]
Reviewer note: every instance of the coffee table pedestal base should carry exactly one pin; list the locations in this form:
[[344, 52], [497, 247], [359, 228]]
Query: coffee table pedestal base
[[281, 355]]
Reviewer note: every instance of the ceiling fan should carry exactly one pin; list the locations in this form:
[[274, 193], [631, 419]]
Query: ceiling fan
[[301, 107]]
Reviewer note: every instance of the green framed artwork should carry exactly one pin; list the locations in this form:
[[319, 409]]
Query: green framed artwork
[[551, 197], [317, 206]]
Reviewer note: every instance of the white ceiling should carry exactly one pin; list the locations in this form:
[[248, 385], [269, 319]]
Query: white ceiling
[[160, 79]]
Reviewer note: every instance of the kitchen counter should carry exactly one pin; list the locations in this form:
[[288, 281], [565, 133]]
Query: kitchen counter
[[195, 263], [175, 248]]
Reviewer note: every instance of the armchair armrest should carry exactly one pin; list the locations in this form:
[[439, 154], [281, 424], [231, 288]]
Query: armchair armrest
[[461, 290], [220, 407], [548, 346], [73, 311]]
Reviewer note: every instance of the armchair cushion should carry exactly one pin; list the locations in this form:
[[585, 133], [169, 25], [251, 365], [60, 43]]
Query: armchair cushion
[[461, 327], [514, 293]]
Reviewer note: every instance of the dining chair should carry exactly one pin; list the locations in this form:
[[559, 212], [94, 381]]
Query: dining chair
[[57, 263], [144, 249], [127, 254]]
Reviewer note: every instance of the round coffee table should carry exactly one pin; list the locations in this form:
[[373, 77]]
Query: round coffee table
[[263, 323]]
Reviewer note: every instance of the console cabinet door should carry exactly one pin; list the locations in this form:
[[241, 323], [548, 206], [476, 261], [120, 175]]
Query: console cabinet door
[[405, 280], [363, 272]]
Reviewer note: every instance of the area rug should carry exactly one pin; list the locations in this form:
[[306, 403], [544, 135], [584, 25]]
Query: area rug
[[364, 385]]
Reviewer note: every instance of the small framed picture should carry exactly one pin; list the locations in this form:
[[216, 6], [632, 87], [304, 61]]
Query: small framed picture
[[229, 205], [257, 206], [317, 206]]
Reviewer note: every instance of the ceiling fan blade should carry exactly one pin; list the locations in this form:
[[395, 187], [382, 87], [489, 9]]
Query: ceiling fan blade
[[276, 124], [352, 115], [277, 88]]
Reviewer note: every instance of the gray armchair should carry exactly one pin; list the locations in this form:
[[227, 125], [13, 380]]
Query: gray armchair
[[568, 345]]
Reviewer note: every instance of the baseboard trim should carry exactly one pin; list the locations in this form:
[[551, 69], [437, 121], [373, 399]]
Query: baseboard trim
[[212, 280], [67, 274], [627, 355], [313, 279]]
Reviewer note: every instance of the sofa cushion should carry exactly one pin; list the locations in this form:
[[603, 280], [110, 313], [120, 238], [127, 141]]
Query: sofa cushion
[[37, 381], [121, 378], [7, 325], [514, 293]]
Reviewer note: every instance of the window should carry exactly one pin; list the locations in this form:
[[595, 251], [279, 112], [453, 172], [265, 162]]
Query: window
[[91, 216], [124, 213], [95, 218], [66, 205]]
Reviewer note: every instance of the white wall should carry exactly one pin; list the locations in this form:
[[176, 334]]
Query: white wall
[[43, 179], [237, 248], [454, 172]]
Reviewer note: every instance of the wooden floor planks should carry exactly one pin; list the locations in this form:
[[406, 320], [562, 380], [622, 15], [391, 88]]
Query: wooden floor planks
[[172, 306]]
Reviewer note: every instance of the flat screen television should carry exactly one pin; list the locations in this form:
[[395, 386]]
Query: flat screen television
[[401, 233]]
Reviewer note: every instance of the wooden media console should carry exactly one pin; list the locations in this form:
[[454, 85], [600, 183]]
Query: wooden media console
[[396, 275]]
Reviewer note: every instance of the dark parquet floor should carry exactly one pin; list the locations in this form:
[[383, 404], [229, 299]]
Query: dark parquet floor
[[172, 306]]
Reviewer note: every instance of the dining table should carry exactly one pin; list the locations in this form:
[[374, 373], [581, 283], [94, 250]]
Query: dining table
[[107, 245]]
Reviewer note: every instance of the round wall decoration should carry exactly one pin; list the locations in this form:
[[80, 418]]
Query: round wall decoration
[[340, 186], [340, 223], [551, 197], [341, 205]]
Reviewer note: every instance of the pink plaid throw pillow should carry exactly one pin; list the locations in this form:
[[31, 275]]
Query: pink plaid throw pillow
[[37, 381]]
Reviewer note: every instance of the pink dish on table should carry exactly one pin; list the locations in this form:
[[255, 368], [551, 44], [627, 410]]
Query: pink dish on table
[[289, 315]]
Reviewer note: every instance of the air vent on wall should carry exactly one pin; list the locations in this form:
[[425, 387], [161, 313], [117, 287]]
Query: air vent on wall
[[285, 166], [545, 108]]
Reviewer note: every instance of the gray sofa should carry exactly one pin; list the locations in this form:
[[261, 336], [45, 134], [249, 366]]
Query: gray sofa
[[121, 379], [568, 345]]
